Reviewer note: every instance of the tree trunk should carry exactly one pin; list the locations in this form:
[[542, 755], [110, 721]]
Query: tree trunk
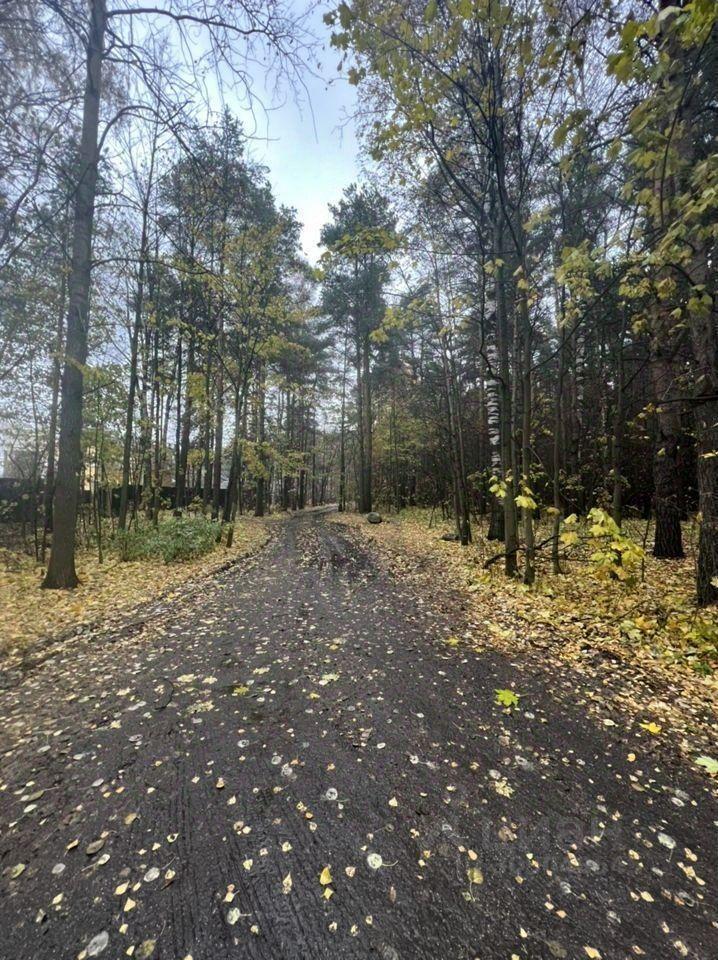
[[259, 506], [366, 463], [527, 520], [61, 572], [218, 440], [186, 424], [704, 337], [618, 430], [666, 496], [49, 491], [342, 437], [557, 444], [505, 412], [207, 459], [134, 345]]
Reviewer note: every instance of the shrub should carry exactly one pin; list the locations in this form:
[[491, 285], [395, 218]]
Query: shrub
[[615, 556], [175, 539]]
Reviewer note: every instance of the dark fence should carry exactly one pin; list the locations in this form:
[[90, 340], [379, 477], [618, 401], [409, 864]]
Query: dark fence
[[19, 499]]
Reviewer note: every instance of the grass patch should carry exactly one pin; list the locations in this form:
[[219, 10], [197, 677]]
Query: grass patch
[[176, 539]]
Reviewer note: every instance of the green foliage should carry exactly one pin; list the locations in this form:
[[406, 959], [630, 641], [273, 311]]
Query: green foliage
[[498, 487], [178, 539], [507, 698], [709, 764], [699, 634], [616, 555], [526, 499]]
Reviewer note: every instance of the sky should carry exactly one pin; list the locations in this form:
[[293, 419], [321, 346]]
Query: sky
[[310, 147]]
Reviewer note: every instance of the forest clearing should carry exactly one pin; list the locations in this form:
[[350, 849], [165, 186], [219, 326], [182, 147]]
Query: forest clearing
[[358, 479]]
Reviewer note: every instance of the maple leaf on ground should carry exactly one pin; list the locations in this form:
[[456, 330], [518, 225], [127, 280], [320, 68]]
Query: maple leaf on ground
[[507, 698]]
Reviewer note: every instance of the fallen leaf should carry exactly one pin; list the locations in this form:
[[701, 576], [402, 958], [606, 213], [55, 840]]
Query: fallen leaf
[[98, 943], [709, 764], [507, 698], [651, 727], [475, 875]]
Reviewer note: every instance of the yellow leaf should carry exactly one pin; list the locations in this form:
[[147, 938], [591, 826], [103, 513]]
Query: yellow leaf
[[475, 875], [325, 876], [651, 727]]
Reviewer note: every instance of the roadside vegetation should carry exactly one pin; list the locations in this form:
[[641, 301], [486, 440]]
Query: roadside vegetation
[[611, 592], [138, 566], [638, 643]]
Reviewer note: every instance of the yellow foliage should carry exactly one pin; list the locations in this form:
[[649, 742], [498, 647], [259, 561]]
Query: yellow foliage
[[651, 626]]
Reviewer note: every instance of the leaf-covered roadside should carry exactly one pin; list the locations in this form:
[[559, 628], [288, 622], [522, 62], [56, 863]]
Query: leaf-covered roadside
[[107, 590], [636, 646]]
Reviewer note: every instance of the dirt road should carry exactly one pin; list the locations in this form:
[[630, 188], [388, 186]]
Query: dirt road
[[298, 760]]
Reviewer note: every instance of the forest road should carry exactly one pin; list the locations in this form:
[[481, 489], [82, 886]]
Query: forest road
[[292, 762]]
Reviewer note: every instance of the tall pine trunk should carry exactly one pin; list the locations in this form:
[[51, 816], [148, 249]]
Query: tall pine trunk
[[527, 520], [134, 350], [366, 413], [666, 496], [186, 424], [260, 504], [61, 573], [49, 491], [704, 339], [511, 541]]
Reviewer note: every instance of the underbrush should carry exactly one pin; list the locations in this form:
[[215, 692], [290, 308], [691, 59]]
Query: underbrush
[[110, 586], [634, 604], [175, 539]]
